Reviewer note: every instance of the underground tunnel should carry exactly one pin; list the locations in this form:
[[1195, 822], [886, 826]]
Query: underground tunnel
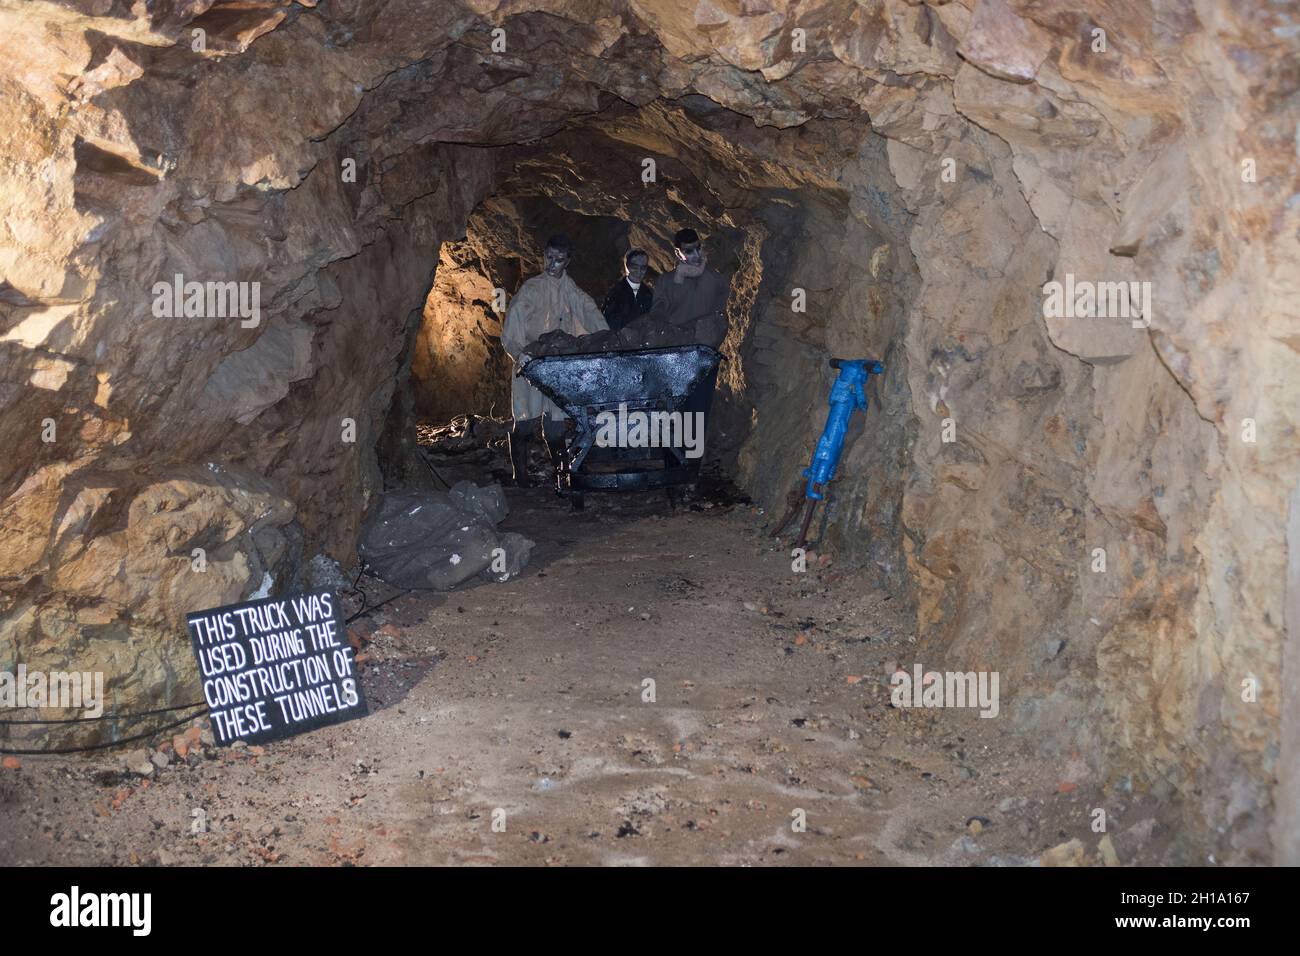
[[1065, 231]]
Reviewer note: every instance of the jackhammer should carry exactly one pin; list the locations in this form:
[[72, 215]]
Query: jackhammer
[[846, 395]]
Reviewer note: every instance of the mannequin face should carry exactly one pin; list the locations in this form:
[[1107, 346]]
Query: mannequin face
[[555, 262], [692, 253], [636, 269]]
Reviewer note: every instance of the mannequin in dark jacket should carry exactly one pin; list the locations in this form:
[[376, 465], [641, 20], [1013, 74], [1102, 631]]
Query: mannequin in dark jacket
[[692, 296], [630, 298]]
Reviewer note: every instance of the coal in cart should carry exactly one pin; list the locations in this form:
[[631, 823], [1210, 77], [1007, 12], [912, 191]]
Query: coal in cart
[[606, 392]]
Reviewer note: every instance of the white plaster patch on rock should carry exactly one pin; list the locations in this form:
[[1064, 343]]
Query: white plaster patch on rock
[[264, 590]]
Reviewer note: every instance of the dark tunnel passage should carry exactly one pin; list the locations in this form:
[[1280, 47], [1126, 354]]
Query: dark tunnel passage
[[804, 268]]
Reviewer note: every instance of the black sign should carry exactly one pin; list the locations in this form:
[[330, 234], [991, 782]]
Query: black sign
[[275, 667]]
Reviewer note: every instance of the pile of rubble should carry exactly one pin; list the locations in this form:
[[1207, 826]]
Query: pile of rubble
[[437, 540]]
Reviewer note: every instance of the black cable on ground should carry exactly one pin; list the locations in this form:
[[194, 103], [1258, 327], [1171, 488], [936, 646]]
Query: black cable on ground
[[78, 720], [366, 606], [356, 586], [104, 746], [419, 451], [367, 610], [195, 706]]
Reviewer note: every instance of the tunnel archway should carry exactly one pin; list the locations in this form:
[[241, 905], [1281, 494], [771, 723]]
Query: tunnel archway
[[631, 177], [923, 172]]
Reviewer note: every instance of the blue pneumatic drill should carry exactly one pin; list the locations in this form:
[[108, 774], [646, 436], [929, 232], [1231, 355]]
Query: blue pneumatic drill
[[847, 394]]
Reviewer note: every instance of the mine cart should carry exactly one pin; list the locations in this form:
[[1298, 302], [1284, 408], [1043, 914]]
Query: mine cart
[[638, 416]]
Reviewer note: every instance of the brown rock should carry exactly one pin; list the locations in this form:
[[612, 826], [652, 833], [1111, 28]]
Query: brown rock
[[1002, 44], [1069, 853]]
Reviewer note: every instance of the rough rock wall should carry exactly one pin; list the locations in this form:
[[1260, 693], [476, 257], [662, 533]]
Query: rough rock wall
[[842, 250], [1166, 154], [459, 366], [164, 464], [1098, 434], [1161, 151]]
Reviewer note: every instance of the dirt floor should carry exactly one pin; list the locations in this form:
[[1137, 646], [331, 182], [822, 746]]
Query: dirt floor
[[525, 702]]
